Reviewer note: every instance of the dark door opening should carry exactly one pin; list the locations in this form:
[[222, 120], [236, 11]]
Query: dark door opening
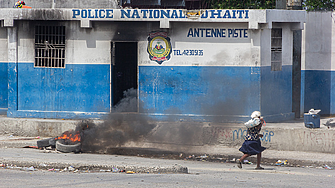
[[124, 74], [296, 73]]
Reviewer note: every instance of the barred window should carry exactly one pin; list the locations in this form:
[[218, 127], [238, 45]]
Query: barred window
[[50, 46], [276, 49]]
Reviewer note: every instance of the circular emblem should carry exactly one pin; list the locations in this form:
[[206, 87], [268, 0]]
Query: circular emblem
[[159, 47]]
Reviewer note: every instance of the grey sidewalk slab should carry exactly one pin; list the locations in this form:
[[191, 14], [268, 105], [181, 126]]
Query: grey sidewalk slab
[[46, 160]]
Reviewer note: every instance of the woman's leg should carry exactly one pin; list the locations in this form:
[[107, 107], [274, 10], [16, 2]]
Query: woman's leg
[[239, 161], [244, 156], [259, 157]]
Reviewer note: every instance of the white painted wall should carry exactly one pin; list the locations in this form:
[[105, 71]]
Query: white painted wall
[[287, 44], [266, 46], [317, 45], [287, 49], [82, 45], [3, 44], [217, 51], [93, 45], [333, 42], [26, 42]]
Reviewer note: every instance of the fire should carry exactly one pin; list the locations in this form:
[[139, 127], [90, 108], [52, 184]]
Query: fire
[[67, 135]]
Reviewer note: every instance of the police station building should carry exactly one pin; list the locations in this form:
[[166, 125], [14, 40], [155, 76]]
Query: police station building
[[207, 65]]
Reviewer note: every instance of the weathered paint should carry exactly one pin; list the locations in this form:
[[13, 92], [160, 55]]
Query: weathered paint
[[317, 74], [156, 14], [63, 4], [215, 92], [317, 90], [276, 92], [3, 87], [218, 69], [77, 88], [3, 71]]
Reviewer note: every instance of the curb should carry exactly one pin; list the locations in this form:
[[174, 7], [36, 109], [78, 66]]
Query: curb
[[80, 167]]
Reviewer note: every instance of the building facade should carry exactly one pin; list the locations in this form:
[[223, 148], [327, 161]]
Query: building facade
[[207, 65], [318, 63]]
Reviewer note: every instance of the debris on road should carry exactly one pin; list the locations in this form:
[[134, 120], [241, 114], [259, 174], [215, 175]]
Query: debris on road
[[28, 168], [328, 167], [281, 163], [330, 123], [247, 162]]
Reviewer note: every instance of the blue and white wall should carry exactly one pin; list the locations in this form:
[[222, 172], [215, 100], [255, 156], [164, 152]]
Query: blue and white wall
[[81, 89], [317, 74], [229, 77], [3, 71], [221, 83], [276, 86]]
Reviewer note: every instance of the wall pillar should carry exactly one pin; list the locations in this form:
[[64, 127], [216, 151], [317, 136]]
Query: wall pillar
[[12, 69]]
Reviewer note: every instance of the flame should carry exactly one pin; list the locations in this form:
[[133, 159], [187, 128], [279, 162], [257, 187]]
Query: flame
[[67, 135]]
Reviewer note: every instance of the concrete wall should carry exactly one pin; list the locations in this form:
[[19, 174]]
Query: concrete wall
[[82, 86], [209, 75], [290, 136], [317, 73], [63, 3], [276, 86], [3, 71], [207, 85], [214, 85], [332, 77]]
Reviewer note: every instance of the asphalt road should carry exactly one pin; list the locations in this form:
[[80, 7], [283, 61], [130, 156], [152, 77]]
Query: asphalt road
[[201, 174]]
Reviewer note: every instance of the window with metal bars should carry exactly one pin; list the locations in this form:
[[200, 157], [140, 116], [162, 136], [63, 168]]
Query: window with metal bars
[[276, 49], [50, 46]]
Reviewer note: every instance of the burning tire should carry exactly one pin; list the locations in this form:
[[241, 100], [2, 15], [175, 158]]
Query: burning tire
[[52, 142], [43, 143], [67, 148]]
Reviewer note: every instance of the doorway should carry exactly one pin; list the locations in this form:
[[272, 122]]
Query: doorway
[[124, 75], [296, 73]]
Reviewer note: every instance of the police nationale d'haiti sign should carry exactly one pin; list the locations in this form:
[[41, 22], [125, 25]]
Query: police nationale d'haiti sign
[[155, 14]]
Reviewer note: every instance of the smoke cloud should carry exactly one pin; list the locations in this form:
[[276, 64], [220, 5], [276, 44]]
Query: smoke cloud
[[123, 126], [118, 128]]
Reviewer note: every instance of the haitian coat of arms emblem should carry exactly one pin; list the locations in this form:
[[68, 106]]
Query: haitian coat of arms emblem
[[159, 47]]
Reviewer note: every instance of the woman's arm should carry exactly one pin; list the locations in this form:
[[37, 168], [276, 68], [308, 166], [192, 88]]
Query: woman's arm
[[260, 126]]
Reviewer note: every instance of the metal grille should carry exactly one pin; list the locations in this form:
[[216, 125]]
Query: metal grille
[[276, 49], [50, 46]]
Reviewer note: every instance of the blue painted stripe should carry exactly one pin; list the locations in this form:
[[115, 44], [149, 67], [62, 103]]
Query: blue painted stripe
[[3, 87], [49, 92], [276, 90], [332, 94], [302, 94], [58, 115], [221, 92], [317, 93], [212, 93]]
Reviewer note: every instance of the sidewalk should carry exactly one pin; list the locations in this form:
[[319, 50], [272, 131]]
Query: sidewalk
[[290, 141], [12, 152]]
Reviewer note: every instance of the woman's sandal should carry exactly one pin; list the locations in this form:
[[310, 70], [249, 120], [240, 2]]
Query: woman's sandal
[[239, 163], [259, 168]]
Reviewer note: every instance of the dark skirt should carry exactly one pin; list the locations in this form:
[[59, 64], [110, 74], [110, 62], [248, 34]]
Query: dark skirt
[[252, 147]]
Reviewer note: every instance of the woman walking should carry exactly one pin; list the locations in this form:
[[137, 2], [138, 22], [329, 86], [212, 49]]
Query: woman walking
[[252, 144]]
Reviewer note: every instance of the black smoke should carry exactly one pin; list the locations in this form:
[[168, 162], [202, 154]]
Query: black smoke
[[118, 128]]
